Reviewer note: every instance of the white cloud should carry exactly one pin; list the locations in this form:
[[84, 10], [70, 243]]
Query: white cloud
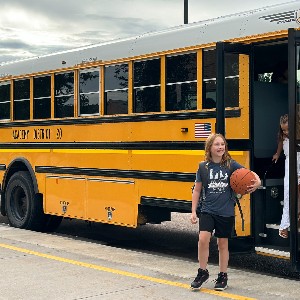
[[35, 27]]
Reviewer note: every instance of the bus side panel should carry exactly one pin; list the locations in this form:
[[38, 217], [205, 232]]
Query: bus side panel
[[94, 199], [112, 201], [69, 201]]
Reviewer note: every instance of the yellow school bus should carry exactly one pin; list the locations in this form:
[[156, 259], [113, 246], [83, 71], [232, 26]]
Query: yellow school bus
[[114, 132]]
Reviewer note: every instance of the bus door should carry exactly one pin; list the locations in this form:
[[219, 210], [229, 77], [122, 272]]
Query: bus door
[[233, 121], [294, 141]]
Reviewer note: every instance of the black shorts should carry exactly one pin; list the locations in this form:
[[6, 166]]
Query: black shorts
[[222, 225]]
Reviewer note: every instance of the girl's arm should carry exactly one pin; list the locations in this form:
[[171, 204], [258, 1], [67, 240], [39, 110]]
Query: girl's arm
[[195, 200], [278, 152]]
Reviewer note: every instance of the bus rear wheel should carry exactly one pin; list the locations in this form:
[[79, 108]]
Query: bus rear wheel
[[21, 208]]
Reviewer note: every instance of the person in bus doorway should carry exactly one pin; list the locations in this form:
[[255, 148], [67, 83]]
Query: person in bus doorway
[[217, 207], [280, 73], [283, 144]]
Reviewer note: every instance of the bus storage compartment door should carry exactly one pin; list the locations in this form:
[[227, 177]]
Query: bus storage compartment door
[[274, 200], [65, 196], [112, 201]]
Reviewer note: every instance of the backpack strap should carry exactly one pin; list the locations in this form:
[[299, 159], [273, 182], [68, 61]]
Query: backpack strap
[[204, 173], [237, 201]]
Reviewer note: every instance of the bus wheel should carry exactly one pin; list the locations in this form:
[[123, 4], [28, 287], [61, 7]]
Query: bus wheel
[[21, 208]]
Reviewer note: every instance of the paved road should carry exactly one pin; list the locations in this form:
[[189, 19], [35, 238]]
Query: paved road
[[53, 266], [177, 238]]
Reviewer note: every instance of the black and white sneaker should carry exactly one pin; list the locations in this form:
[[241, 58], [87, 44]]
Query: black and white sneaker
[[221, 282], [201, 278]]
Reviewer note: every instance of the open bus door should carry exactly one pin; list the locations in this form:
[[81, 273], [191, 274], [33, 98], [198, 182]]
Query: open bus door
[[233, 80], [294, 141]]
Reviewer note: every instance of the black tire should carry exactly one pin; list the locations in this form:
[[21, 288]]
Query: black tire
[[22, 208]]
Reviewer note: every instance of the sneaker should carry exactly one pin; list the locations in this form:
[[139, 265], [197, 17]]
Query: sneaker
[[201, 278], [221, 282]]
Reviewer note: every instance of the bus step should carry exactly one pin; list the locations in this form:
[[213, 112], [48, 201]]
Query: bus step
[[272, 252]]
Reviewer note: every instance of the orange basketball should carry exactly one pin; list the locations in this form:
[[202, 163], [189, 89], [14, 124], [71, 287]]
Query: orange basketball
[[240, 179]]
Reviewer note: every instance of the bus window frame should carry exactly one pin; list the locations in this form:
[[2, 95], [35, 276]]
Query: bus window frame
[[2, 83], [89, 70], [55, 96]]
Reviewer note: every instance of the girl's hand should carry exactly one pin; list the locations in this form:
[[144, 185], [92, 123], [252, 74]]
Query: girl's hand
[[275, 157], [253, 187], [193, 218]]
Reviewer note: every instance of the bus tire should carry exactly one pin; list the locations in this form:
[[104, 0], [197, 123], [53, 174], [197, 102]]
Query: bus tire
[[23, 210]]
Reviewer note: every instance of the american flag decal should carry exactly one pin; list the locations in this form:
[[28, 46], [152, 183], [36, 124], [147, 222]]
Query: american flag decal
[[202, 130]]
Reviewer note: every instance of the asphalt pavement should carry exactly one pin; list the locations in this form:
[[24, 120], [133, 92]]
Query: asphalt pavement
[[51, 266]]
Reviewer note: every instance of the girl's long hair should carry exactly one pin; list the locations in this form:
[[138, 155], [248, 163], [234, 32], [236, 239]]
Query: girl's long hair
[[283, 120], [208, 144]]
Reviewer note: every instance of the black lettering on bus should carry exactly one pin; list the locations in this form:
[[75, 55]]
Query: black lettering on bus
[[25, 134], [41, 134], [47, 133], [20, 134], [58, 133], [16, 134]]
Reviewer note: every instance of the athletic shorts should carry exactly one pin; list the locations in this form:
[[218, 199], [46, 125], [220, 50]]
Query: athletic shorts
[[222, 225]]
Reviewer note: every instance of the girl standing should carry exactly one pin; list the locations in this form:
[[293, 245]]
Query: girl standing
[[283, 144], [217, 212]]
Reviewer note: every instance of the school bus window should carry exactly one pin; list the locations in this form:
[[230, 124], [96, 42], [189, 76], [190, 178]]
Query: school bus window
[[181, 80], [5, 101], [231, 85], [146, 93], [116, 89], [42, 97], [89, 92], [22, 99], [64, 95]]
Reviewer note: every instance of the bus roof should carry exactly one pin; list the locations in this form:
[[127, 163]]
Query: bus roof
[[268, 19]]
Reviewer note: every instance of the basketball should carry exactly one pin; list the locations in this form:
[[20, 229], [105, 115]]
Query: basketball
[[240, 179]]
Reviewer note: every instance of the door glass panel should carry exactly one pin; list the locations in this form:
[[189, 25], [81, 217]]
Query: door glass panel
[[231, 83]]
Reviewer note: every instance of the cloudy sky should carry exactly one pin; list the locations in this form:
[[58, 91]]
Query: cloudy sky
[[35, 27]]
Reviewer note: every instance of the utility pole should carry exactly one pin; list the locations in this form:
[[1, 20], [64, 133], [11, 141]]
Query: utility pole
[[186, 11]]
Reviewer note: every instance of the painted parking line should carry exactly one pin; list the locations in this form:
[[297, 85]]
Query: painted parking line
[[124, 273]]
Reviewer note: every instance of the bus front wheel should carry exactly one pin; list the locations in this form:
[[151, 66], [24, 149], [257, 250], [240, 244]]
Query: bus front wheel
[[21, 208]]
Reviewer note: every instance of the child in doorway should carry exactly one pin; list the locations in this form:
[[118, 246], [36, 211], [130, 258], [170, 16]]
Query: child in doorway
[[283, 144], [217, 211]]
